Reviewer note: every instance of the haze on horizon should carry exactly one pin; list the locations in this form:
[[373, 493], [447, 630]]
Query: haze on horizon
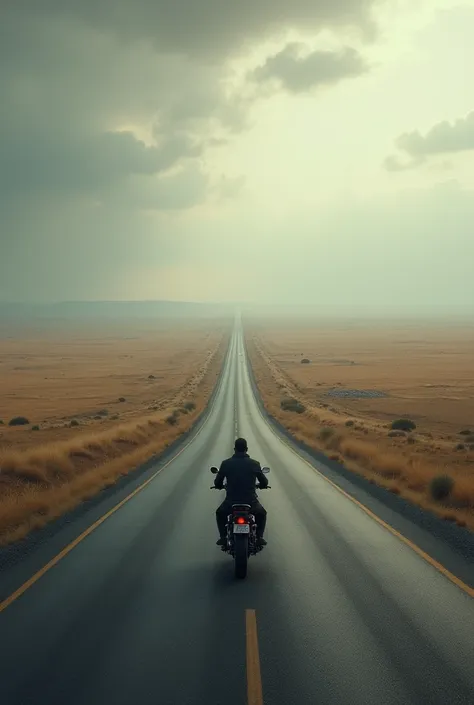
[[311, 152]]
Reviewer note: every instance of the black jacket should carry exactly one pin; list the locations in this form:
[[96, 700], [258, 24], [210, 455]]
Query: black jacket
[[242, 473]]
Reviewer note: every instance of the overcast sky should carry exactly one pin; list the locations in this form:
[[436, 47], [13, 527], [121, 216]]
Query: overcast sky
[[304, 151]]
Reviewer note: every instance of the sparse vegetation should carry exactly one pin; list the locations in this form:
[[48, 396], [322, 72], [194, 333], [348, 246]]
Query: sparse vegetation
[[42, 482], [189, 405], [73, 423], [465, 432], [403, 425], [305, 361], [151, 376], [19, 421], [122, 400], [35, 428], [373, 448], [349, 423]]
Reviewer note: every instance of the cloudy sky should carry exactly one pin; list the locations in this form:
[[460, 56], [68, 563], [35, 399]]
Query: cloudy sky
[[311, 151]]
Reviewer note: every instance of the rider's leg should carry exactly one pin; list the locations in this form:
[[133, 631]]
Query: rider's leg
[[261, 519], [221, 519]]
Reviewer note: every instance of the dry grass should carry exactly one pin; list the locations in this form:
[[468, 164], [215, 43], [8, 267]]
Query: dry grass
[[427, 374], [49, 472]]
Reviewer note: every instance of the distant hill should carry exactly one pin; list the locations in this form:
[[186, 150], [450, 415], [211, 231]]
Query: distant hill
[[73, 310]]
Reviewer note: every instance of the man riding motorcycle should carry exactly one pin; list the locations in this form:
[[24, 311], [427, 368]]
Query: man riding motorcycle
[[241, 472]]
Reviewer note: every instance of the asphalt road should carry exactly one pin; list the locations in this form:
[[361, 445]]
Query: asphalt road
[[145, 609]]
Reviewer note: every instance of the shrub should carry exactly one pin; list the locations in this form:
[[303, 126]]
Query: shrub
[[98, 418], [114, 417], [103, 412], [396, 434], [183, 410], [349, 423], [411, 440], [2, 422], [19, 421], [441, 487], [151, 376], [465, 432], [172, 420], [290, 404], [403, 425], [189, 405], [460, 446], [326, 433], [74, 422], [35, 428], [305, 361], [122, 399]]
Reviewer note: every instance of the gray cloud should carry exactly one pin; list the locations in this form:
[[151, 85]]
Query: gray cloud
[[82, 189], [443, 138], [209, 28], [298, 71]]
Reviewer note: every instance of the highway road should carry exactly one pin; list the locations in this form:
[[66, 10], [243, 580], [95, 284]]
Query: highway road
[[337, 610]]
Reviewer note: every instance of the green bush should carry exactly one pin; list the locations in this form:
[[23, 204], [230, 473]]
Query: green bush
[[74, 422], [326, 433], [290, 404], [465, 432], [19, 421], [122, 399], [349, 423], [189, 405], [172, 420], [441, 487], [403, 425], [35, 428], [305, 361]]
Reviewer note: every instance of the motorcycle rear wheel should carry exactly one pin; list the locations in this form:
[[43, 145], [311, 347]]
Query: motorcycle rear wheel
[[241, 555]]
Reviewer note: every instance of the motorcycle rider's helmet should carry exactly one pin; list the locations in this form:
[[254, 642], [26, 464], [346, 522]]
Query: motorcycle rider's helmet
[[240, 445]]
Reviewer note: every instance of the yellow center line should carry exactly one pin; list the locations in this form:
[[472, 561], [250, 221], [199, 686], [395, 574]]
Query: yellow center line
[[254, 678]]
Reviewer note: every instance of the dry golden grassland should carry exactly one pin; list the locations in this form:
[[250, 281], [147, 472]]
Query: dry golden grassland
[[426, 373], [99, 401]]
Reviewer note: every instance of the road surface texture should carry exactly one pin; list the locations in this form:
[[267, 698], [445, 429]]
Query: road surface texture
[[145, 609]]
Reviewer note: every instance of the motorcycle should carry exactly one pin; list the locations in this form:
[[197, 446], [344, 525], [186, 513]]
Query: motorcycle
[[241, 528]]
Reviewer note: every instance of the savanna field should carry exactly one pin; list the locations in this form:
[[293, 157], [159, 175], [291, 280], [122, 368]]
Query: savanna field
[[394, 402], [83, 404]]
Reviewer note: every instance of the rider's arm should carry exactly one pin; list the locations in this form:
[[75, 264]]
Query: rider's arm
[[220, 477], [262, 480]]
